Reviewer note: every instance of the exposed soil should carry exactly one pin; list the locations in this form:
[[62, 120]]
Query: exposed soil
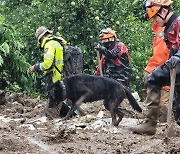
[[25, 130]]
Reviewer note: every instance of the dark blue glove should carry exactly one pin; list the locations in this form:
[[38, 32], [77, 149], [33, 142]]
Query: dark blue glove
[[108, 54], [174, 60], [37, 67], [115, 52], [103, 50], [100, 48]]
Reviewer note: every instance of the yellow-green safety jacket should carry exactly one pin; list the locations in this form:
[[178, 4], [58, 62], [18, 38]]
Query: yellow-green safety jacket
[[53, 56]]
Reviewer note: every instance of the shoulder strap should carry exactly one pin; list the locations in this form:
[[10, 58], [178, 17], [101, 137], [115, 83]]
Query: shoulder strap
[[57, 69], [172, 18]]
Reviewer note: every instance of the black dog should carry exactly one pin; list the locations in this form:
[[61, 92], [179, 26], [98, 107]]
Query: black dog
[[89, 88]]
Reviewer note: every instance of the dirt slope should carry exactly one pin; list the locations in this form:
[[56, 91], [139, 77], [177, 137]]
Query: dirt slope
[[25, 130]]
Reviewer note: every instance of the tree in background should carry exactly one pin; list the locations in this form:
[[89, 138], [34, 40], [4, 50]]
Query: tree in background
[[80, 22], [13, 65]]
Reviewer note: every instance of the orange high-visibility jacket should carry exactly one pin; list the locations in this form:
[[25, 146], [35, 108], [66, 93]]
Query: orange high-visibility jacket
[[160, 50]]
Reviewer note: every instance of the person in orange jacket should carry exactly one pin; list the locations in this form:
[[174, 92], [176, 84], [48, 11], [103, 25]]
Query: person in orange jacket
[[161, 13], [159, 57]]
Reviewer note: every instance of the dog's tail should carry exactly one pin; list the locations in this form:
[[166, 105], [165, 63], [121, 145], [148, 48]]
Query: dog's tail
[[132, 100]]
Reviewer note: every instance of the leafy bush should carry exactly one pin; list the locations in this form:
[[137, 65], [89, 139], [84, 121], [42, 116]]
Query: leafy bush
[[79, 22]]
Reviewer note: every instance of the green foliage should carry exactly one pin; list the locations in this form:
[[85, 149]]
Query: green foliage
[[79, 22], [13, 64]]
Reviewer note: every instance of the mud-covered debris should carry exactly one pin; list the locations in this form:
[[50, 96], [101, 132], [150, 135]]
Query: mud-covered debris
[[80, 125], [28, 126], [12, 124], [25, 129], [103, 122], [39, 120], [62, 135], [4, 126], [2, 97], [89, 118], [30, 102], [118, 151], [14, 97], [100, 114]]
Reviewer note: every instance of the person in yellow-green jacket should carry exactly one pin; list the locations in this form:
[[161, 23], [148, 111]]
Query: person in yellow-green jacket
[[52, 66]]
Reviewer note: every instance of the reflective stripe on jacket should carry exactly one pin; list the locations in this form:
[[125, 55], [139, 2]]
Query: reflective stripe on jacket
[[53, 55]]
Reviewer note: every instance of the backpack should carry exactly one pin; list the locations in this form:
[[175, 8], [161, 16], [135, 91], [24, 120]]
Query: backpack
[[73, 60], [73, 64]]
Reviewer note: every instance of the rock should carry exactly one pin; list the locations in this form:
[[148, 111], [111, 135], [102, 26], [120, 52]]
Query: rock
[[102, 123], [4, 125], [14, 97], [100, 114], [89, 118]]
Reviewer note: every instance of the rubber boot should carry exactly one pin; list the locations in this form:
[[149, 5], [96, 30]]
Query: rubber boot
[[53, 112], [149, 126]]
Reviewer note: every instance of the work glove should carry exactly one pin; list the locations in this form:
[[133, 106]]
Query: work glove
[[103, 50], [174, 60], [100, 48]]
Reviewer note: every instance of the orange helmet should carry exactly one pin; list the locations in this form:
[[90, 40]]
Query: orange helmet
[[153, 6], [107, 33]]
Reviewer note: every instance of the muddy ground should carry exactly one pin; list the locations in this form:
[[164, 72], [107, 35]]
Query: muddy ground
[[25, 130]]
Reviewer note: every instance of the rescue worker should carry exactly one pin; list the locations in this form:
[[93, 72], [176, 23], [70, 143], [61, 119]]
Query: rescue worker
[[114, 57], [52, 66], [159, 57], [160, 12]]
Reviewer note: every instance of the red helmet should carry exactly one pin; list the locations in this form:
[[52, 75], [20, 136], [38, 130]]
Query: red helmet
[[107, 33], [153, 6]]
